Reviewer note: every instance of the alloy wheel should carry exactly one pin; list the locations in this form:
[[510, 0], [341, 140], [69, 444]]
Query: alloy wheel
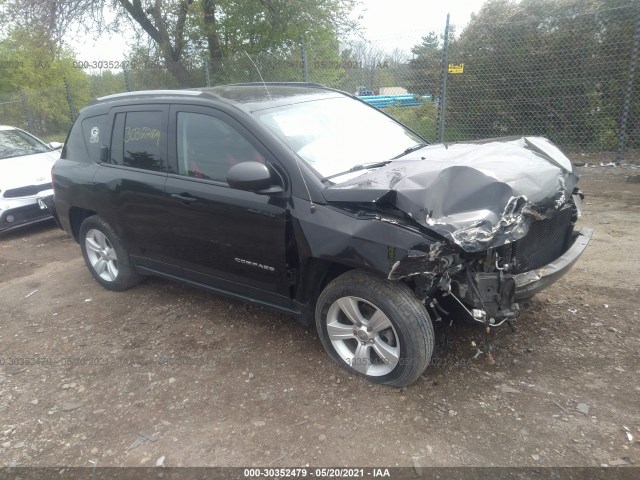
[[363, 336], [102, 256]]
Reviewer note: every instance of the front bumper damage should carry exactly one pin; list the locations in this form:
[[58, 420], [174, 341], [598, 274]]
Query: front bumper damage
[[492, 295], [489, 297], [495, 297], [530, 283]]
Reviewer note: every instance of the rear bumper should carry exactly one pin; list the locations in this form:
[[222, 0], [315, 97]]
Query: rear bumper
[[534, 281]]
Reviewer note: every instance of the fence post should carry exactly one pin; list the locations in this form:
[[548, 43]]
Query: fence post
[[303, 53], [72, 108], [628, 92], [206, 72], [127, 78], [26, 112], [443, 84]]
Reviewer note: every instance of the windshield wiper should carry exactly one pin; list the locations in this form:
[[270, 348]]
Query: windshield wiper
[[417, 146], [362, 166]]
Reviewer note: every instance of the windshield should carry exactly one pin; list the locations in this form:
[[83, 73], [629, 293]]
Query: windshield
[[337, 134], [14, 143]]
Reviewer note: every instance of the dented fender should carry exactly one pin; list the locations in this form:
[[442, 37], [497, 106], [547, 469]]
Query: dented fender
[[438, 259], [385, 245]]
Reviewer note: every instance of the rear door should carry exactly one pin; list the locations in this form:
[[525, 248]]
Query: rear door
[[129, 186], [226, 238]]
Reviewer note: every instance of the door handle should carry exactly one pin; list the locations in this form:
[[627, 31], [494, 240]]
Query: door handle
[[184, 198]]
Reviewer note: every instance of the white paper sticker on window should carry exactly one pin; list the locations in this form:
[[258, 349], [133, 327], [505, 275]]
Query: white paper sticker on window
[[95, 135]]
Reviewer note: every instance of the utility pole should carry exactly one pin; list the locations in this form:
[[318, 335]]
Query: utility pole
[[443, 84], [303, 52], [206, 72], [72, 108]]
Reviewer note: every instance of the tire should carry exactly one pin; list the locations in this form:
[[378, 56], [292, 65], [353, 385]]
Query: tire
[[105, 256], [390, 341]]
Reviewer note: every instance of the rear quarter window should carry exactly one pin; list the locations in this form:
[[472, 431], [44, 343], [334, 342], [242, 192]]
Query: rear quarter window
[[94, 135], [86, 137]]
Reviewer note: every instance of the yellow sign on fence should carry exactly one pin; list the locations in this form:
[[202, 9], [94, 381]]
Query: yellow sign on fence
[[456, 68]]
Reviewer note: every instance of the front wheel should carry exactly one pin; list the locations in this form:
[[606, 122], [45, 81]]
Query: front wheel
[[375, 328], [105, 256]]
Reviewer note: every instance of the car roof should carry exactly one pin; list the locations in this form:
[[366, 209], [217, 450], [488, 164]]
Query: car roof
[[7, 127], [247, 96]]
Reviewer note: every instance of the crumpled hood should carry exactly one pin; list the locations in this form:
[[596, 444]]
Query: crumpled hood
[[476, 194]]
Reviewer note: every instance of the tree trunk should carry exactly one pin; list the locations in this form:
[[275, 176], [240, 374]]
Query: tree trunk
[[213, 39], [158, 31]]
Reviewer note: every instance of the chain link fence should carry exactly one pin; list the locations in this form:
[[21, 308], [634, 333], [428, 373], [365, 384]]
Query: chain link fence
[[523, 70], [564, 79]]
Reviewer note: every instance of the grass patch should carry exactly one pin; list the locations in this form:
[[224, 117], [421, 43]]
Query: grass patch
[[421, 119]]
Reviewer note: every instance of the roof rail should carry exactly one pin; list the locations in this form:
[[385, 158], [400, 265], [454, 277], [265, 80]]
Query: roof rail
[[286, 84], [141, 93]]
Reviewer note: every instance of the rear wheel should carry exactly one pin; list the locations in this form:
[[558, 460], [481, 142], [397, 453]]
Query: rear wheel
[[105, 256], [375, 328]]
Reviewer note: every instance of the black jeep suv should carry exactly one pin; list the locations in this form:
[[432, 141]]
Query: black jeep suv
[[309, 201]]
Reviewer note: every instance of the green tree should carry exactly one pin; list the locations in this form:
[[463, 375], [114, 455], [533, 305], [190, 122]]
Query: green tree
[[38, 70], [183, 33], [425, 68], [106, 82], [424, 71], [549, 67]]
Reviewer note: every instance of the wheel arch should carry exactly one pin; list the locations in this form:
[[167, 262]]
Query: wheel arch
[[78, 215], [315, 275]]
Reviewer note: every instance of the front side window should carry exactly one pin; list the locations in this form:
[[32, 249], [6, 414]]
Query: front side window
[[138, 140], [208, 147], [14, 143]]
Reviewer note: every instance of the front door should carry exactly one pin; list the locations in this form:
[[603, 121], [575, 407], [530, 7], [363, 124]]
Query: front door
[[227, 238]]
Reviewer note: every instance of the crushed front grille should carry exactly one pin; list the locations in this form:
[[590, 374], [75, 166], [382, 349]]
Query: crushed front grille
[[546, 240]]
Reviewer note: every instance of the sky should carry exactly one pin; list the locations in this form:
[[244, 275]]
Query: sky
[[402, 23], [391, 24]]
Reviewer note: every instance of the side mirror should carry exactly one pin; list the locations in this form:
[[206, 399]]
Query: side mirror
[[253, 177], [56, 145]]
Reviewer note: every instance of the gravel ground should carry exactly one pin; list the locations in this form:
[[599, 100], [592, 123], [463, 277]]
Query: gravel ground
[[91, 377]]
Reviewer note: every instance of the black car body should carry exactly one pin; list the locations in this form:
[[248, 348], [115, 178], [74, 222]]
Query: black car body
[[484, 225]]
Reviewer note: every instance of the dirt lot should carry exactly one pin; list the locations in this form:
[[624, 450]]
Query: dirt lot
[[166, 370]]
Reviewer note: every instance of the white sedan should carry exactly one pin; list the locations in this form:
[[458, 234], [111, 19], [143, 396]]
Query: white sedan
[[25, 177]]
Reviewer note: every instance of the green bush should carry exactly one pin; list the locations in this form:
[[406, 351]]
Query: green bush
[[421, 119]]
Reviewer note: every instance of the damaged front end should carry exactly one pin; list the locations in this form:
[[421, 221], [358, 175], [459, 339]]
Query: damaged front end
[[505, 210], [490, 287], [492, 283], [444, 275]]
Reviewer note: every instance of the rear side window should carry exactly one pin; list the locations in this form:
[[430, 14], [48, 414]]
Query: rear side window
[[93, 132], [138, 140]]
